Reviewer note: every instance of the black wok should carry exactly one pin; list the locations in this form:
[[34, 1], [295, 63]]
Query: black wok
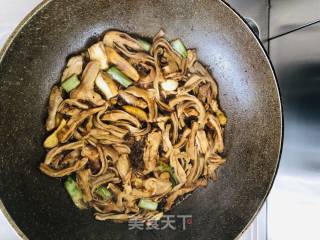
[[32, 61]]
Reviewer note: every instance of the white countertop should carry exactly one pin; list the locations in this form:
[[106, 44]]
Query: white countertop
[[11, 13]]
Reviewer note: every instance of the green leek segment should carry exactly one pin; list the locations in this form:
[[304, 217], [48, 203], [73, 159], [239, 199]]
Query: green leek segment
[[179, 47], [74, 192], [71, 83], [119, 76], [145, 45], [103, 192], [148, 204]]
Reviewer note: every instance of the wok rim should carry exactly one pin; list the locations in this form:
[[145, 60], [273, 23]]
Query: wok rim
[[44, 3], [281, 130]]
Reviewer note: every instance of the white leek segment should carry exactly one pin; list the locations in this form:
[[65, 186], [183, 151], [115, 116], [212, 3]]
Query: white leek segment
[[97, 52], [169, 85], [106, 85]]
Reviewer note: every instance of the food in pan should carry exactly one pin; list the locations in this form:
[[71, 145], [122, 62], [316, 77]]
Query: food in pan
[[133, 125]]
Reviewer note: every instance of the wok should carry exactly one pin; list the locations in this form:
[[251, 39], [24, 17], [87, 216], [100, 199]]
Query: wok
[[32, 61]]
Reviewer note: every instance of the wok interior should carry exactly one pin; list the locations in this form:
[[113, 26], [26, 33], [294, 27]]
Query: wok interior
[[249, 96]]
